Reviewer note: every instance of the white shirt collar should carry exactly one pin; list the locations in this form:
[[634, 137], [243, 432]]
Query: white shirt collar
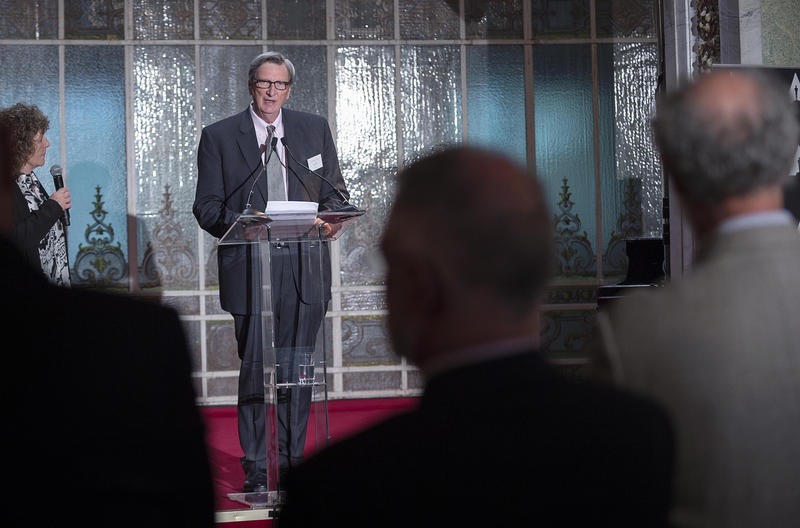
[[747, 221], [261, 125]]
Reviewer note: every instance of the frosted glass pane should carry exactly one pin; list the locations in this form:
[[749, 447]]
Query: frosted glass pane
[[560, 18], [626, 18], [94, 19], [365, 342], [20, 87], [159, 20], [496, 99], [428, 19], [564, 150], [494, 19], [364, 19], [310, 87], [630, 170], [23, 19], [94, 77], [296, 19], [367, 145], [223, 80], [431, 98], [165, 134], [231, 19]]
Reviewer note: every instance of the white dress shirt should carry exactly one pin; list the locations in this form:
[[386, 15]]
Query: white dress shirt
[[261, 135]]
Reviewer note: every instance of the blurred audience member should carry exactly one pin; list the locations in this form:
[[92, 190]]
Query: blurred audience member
[[500, 437], [100, 424], [720, 347]]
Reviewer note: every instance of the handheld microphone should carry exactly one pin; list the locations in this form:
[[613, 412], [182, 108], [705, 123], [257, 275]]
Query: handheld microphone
[[346, 208], [58, 182], [248, 210]]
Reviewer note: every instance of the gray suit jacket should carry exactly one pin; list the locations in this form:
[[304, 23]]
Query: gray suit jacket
[[228, 160], [720, 348]]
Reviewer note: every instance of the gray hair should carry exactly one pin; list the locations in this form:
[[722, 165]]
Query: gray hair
[[270, 56], [713, 157]]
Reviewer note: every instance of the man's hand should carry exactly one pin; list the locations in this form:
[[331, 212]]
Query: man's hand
[[325, 228]]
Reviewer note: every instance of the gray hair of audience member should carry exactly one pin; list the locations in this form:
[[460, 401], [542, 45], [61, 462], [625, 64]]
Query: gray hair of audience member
[[485, 218], [270, 56], [711, 156]]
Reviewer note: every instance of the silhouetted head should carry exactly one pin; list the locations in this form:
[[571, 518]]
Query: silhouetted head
[[468, 242]]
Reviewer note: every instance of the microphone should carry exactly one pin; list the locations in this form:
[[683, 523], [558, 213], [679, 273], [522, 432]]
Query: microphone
[[347, 208], [58, 181], [248, 210]]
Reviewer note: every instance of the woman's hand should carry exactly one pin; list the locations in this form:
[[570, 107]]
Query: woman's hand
[[63, 198]]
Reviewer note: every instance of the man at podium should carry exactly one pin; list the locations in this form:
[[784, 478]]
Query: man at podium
[[268, 153]]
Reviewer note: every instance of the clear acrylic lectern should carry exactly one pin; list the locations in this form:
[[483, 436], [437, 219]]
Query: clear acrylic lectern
[[299, 368]]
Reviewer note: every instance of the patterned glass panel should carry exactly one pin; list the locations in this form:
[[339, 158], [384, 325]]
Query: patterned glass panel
[[158, 20], [310, 87], [428, 19], [94, 19], [223, 80], [431, 98], [560, 18], [365, 342], [94, 78], [371, 381], [364, 300], [191, 329], [626, 18], [221, 344], [630, 170], [23, 19], [19, 86], [165, 134], [367, 146], [230, 19], [185, 305], [212, 271], [565, 152], [296, 19], [493, 19], [496, 99], [364, 19], [564, 333]]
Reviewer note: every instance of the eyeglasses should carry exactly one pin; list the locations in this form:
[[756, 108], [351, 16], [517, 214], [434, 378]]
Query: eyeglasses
[[265, 85]]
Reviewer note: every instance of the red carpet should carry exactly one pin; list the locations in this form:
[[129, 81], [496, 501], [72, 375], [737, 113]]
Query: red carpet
[[345, 418]]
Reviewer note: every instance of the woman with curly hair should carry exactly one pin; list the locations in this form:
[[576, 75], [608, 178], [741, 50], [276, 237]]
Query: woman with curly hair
[[37, 231]]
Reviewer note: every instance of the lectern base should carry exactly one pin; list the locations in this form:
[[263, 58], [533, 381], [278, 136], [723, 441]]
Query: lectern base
[[259, 499]]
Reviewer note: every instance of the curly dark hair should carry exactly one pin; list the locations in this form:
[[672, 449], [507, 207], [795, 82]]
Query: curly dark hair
[[22, 123]]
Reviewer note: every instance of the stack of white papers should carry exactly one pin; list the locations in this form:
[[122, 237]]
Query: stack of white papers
[[290, 219], [289, 209]]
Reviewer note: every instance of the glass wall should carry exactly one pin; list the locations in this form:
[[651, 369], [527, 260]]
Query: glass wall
[[563, 86]]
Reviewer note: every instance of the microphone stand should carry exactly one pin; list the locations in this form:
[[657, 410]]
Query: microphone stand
[[347, 208]]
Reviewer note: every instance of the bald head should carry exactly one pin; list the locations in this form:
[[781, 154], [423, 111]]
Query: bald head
[[727, 135]]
